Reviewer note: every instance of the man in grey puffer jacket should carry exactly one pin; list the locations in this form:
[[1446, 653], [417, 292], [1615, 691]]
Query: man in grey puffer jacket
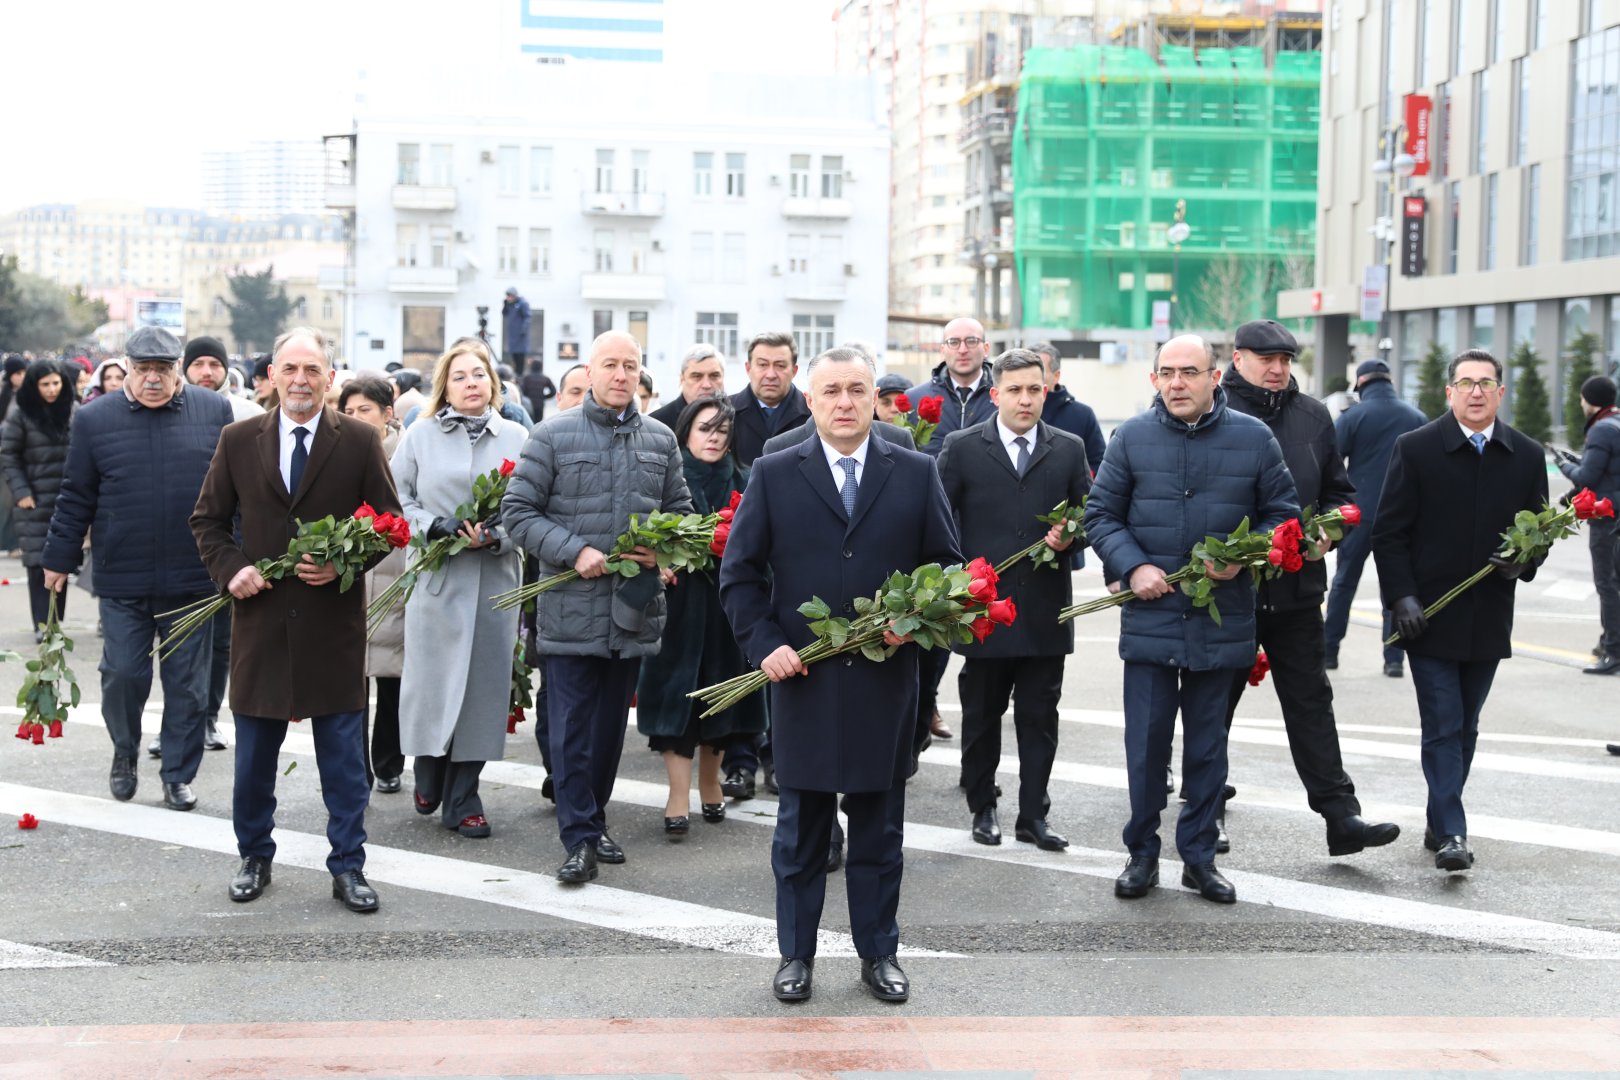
[[583, 473]]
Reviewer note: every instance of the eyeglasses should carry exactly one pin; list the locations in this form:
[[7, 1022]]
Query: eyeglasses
[[958, 342], [1467, 386], [1185, 374]]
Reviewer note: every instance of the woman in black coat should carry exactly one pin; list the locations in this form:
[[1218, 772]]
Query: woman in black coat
[[698, 647], [33, 454]]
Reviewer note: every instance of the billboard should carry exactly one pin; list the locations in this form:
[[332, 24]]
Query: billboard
[[1413, 210], [1419, 115], [167, 312]]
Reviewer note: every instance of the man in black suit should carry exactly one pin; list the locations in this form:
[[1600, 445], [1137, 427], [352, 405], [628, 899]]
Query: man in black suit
[[771, 404], [703, 374], [835, 518], [1454, 486], [1000, 476]]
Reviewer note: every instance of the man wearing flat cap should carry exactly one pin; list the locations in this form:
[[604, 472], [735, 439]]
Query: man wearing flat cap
[[136, 462]]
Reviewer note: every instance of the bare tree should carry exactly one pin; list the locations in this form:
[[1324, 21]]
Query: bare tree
[[1226, 294]]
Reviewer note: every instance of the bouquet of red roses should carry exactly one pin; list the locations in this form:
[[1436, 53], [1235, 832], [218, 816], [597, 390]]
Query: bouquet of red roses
[[1529, 538], [1292, 543], [345, 543], [50, 688], [937, 606], [926, 419], [487, 492]]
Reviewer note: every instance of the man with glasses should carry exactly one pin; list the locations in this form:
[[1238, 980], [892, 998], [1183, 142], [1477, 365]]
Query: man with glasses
[[962, 379], [703, 374], [1453, 488], [1288, 609], [1187, 468]]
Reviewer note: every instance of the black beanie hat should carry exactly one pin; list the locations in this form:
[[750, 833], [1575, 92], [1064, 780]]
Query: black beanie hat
[[1598, 391], [204, 346]]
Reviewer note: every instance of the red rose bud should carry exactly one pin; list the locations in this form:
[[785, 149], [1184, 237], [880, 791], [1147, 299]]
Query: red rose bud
[[726, 515], [1585, 504], [36, 734], [736, 500], [1002, 612], [365, 511], [1275, 556], [23, 729], [981, 627], [1351, 514], [5, 581], [980, 568], [722, 534], [28, 821], [1604, 509], [55, 730], [902, 402], [982, 590], [931, 409], [1262, 664], [508, 466]]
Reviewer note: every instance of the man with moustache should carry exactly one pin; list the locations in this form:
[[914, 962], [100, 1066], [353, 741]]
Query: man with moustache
[[703, 374], [834, 518], [771, 404]]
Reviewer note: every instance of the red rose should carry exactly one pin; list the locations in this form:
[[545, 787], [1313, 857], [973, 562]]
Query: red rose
[[1262, 664], [5, 581], [1293, 561], [23, 729], [736, 500], [979, 568], [508, 466], [513, 719], [722, 533], [365, 511], [902, 402], [1585, 504], [399, 534], [1002, 612], [55, 729], [28, 821], [981, 627], [983, 590], [726, 515], [36, 734], [931, 409], [1275, 556], [1603, 508], [1351, 514], [1288, 534]]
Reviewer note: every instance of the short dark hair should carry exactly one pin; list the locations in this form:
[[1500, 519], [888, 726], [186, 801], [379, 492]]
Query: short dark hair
[[373, 388], [570, 371], [689, 415], [646, 381], [1472, 356], [1015, 360], [772, 339]]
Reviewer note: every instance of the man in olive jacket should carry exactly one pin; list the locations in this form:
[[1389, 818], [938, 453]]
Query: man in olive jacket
[[584, 472]]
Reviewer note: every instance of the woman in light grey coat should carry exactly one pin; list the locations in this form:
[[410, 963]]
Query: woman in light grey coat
[[458, 648]]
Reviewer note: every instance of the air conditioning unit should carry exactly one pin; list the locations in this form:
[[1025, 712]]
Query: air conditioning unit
[[776, 270], [463, 238], [658, 245], [776, 181], [849, 174], [849, 269], [487, 157], [567, 329]]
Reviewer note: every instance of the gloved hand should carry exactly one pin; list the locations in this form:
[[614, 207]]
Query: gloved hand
[[443, 528], [1409, 620], [1508, 568]]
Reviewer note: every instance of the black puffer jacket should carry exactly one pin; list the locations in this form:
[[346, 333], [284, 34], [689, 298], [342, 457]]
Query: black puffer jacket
[[1303, 428], [33, 454]]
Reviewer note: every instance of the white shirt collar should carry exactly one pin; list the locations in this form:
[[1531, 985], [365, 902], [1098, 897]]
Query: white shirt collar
[[833, 457], [288, 423], [1468, 433], [1008, 435]]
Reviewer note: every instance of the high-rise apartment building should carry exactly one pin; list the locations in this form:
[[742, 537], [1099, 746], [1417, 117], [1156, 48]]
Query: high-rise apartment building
[[266, 179]]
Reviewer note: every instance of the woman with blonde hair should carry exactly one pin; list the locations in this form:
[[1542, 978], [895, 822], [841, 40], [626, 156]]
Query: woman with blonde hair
[[457, 674]]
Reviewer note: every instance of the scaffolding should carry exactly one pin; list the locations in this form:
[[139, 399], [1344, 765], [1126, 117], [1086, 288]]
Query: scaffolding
[[1109, 139]]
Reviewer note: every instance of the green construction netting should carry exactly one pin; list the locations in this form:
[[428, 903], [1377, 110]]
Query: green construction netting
[[1108, 140]]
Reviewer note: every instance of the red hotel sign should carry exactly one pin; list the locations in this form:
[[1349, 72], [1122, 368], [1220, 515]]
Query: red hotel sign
[[1419, 112]]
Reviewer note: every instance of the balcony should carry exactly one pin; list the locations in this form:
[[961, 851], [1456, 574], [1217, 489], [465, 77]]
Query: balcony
[[622, 203], [417, 197], [826, 209], [422, 279], [340, 196], [648, 288], [994, 124], [803, 288]]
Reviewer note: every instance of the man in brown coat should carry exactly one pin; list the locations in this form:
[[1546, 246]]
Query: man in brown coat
[[298, 645]]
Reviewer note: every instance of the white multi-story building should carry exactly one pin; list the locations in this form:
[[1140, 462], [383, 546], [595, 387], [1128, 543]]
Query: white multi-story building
[[707, 208], [267, 179]]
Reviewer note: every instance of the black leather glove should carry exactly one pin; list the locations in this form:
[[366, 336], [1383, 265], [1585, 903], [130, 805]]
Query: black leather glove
[[1409, 620], [443, 528], [1508, 568]]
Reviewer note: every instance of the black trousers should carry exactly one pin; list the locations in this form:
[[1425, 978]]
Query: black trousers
[[872, 870], [931, 664], [386, 759], [1450, 695], [1034, 684], [1293, 643], [588, 698], [1603, 540], [39, 598]]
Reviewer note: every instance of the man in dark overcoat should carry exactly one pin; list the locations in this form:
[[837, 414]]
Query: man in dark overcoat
[[298, 645], [1000, 476], [1453, 488], [834, 519]]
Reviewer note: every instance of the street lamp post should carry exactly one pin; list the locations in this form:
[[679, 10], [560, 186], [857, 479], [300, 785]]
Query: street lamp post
[[1393, 164], [1177, 234]]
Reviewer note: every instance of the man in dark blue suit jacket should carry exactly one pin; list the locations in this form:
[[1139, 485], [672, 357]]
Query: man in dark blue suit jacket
[[845, 726]]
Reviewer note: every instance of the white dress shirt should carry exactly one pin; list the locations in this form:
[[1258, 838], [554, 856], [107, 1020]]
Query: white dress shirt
[[288, 441], [1007, 437], [833, 457], [1468, 432]]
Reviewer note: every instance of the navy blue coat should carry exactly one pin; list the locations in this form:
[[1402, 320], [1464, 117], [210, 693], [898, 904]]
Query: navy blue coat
[[749, 432], [848, 725], [955, 414], [1067, 413], [1163, 487], [1366, 434], [1599, 467], [132, 480], [515, 320]]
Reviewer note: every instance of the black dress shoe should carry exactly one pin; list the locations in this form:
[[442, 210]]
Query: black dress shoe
[[178, 796], [251, 879], [1039, 833], [770, 781], [1394, 670], [122, 779], [1141, 874], [1430, 841], [835, 857], [580, 867], [714, 812], [1614, 748], [548, 790], [388, 785], [1331, 663], [738, 785], [351, 888], [1350, 834], [1209, 883], [885, 979], [607, 850], [677, 827], [1454, 854], [1223, 843], [793, 979], [211, 739], [155, 747], [986, 829], [1606, 666]]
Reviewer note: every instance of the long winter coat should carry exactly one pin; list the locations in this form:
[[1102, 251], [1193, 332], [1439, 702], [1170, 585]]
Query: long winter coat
[[34, 456], [385, 652], [458, 648], [1163, 486], [955, 413], [750, 432], [1365, 434]]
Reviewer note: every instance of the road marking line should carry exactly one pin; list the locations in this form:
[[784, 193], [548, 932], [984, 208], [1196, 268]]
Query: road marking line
[[14, 954], [665, 919]]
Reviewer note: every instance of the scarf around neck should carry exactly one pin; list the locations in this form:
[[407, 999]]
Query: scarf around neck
[[448, 418]]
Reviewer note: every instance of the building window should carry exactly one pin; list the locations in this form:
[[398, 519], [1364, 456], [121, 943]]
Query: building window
[[603, 244], [640, 247], [1425, 39], [813, 334], [1483, 333], [1459, 33], [405, 238], [1524, 324], [1445, 328], [604, 171], [601, 322], [1592, 225], [440, 158], [1538, 23], [1498, 32], [640, 170], [736, 175], [1532, 215], [219, 309], [1440, 144], [326, 308], [1487, 258], [1589, 17], [718, 328], [1454, 199], [508, 173], [300, 309], [1482, 116], [1521, 112], [439, 246], [539, 251], [701, 264], [506, 249], [539, 170], [799, 176], [734, 258], [832, 177], [637, 326], [410, 164], [703, 174]]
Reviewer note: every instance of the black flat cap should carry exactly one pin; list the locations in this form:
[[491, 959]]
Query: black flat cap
[[892, 384], [152, 343], [1372, 369], [1265, 337]]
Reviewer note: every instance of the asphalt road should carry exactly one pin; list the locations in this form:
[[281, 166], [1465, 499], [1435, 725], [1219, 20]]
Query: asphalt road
[[129, 900]]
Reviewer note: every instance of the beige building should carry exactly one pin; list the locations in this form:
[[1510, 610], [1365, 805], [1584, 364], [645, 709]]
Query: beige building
[[101, 243], [296, 268], [1520, 205]]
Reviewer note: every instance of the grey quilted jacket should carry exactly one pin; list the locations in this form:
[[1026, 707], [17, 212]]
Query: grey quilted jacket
[[583, 473]]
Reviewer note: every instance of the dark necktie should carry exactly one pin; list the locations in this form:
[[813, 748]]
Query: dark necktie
[[1023, 454], [770, 419], [1478, 439], [300, 457], [851, 489]]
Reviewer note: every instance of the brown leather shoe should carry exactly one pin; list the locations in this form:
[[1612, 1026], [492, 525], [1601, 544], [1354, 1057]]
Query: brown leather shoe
[[937, 728]]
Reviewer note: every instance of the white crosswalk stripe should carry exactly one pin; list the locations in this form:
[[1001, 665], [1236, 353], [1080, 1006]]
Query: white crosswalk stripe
[[15, 955]]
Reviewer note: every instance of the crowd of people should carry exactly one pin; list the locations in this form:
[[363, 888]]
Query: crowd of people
[[835, 496]]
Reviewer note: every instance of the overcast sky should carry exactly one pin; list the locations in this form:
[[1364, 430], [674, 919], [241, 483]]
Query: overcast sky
[[107, 98]]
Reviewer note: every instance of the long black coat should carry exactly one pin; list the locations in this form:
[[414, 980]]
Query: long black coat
[[34, 457], [748, 431], [1442, 515], [848, 725], [997, 514]]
